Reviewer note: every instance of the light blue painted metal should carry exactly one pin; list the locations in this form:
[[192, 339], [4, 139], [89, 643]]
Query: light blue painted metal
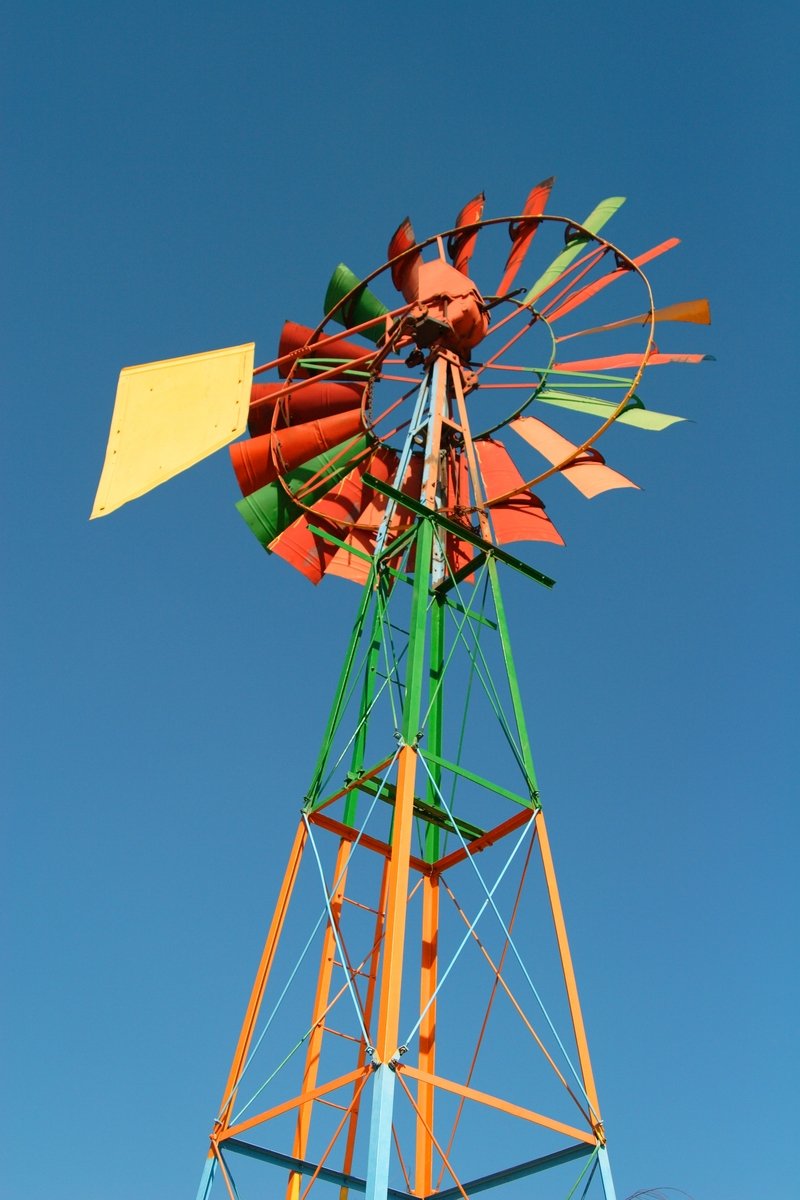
[[335, 930], [207, 1179], [300, 1165], [511, 943], [380, 1133], [526, 829], [418, 422], [520, 1171], [605, 1174]]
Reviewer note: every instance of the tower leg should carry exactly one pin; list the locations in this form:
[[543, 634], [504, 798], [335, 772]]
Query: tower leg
[[605, 1174], [380, 1133], [207, 1178]]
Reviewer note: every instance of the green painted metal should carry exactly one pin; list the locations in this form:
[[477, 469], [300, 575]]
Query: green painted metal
[[434, 726], [456, 768], [339, 697], [459, 531], [635, 414], [270, 510], [468, 612], [513, 682], [431, 814], [329, 537], [595, 221], [367, 700], [358, 308], [458, 577], [521, 1171], [289, 1163], [415, 670]]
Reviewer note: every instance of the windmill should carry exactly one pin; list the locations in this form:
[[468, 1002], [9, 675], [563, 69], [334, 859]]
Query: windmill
[[415, 1011]]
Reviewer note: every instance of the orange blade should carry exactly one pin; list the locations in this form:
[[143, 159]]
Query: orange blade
[[692, 312], [588, 472]]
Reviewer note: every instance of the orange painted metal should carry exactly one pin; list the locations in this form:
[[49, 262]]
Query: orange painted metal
[[359, 1087], [692, 312], [485, 840], [317, 400], [352, 786], [472, 460], [499, 982], [423, 1175], [369, 843], [522, 518], [432, 1137], [369, 1004], [288, 1105], [261, 460], [321, 1001], [264, 967], [568, 971], [396, 904], [224, 1171], [513, 1110], [586, 469]]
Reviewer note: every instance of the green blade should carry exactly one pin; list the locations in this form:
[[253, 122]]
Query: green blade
[[635, 414], [269, 510], [594, 222]]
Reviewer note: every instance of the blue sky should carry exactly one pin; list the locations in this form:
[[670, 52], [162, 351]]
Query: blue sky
[[182, 177]]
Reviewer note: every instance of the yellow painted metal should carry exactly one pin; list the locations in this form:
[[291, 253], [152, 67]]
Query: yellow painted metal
[[169, 415]]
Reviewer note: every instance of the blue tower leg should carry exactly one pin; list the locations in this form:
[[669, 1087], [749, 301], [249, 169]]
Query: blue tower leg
[[207, 1178], [605, 1174], [380, 1134]]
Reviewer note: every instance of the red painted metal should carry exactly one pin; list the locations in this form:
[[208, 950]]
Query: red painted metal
[[261, 460], [591, 289], [362, 537], [297, 340], [616, 361], [459, 553], [461, 246], [405, 271], [343, 505], [522, 233], [317, 400], [522, 518]]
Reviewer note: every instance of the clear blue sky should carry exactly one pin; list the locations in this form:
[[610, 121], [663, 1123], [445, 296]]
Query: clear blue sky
[[180, 177]]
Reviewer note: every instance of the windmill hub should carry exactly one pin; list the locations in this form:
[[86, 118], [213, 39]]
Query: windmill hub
[[449, 310]]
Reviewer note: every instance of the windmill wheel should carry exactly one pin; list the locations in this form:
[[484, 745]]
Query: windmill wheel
[[479, 330], [351, 390]]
